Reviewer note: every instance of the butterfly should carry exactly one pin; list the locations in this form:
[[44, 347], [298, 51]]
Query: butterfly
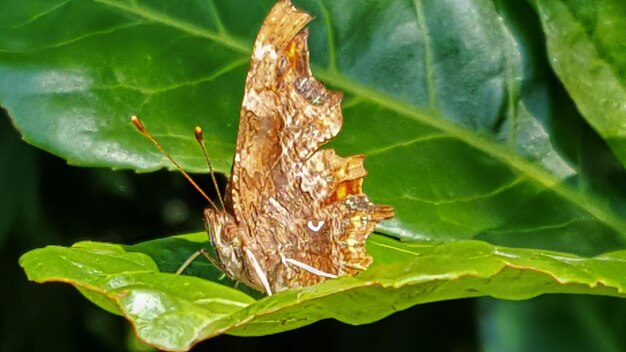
[[293, 214]]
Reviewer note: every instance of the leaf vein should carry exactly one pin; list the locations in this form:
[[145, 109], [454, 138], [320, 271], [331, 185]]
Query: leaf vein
[[421, 139], [43, 13], [74, 40], [158, 17], [330, 37], [555, 226], [428, 62], [220, 72], [495, 192], [216, 16]]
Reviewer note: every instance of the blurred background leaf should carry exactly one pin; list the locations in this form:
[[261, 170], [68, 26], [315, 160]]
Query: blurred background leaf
[[587, 52], [553, 323]]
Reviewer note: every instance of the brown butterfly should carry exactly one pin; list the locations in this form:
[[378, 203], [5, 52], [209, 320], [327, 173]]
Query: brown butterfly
[[293, 214]]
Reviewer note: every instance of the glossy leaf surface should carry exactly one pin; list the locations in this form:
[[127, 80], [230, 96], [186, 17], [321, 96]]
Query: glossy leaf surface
[[175, 311], [447, 102]]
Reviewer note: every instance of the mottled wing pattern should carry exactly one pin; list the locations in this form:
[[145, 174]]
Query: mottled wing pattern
[[267, 125], [295, 213]]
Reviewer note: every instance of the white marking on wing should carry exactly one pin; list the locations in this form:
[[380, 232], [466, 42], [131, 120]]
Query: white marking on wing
[[315, 228], [306, 267], [259, 272], [278, 206]]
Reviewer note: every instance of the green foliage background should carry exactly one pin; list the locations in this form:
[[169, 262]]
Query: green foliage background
[[498, 121]]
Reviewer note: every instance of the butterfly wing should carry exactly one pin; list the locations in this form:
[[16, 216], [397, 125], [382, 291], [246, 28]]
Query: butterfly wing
[[270, 124], [300, 210]]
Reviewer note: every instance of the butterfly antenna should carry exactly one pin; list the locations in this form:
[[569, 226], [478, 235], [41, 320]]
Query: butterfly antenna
[[137, 122], [200, 139]]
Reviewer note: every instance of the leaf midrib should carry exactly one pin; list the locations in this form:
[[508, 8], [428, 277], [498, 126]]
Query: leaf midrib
[[429, 118]]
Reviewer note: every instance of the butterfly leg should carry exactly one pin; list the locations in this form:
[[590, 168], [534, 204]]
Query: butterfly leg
[[200, 252], [306, 267]]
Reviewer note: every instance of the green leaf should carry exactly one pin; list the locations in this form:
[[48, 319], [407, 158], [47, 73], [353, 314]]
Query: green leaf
[[449, 103], [173, 312], [586, 47]]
